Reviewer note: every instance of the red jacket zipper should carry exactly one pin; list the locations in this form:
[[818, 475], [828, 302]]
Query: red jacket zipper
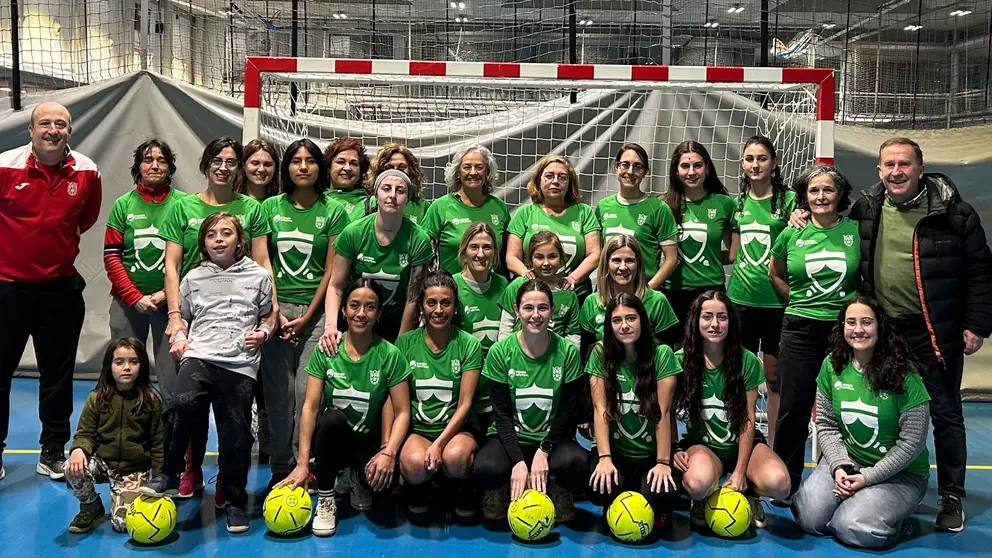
[[919, 291]]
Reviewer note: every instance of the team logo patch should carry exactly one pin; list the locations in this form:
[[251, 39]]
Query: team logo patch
[[641, 219], [575, 226], [404, 260], [848, 240], [374, 377], [241, 219], [711, 213], [320, 221], [495, 219], [600, 319], [556, 373], [73, 188], [456, 366]]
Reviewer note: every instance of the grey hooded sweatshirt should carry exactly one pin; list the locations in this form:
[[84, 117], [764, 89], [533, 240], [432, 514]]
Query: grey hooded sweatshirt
[[221, 305]]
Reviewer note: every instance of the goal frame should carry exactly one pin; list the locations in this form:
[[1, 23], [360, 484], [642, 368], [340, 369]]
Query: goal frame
[[822, 79]]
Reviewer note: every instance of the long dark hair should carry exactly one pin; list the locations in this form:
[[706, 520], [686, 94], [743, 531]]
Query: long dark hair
[[106, 387], [323, 174], [439, 278], [779, 187], [142, 150], [690, 393], [675, 196], [614, 355], [891, 359]]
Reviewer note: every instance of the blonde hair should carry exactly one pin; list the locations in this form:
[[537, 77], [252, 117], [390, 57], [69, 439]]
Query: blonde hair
[[605, 285], [534, 185], [479, 227]]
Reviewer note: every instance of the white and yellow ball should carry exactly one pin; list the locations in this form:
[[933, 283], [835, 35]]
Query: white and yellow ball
[[287, 510], [531, 516], [150, 520], [728, 513], [630, 517]]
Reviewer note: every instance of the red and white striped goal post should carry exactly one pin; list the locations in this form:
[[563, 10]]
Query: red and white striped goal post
[[822, 79]]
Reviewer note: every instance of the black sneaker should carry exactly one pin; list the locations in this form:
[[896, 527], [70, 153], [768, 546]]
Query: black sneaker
[[466, 500], [87, 518], [52, 463], [951, 515], [418, 498], [161, 485], [237, 519]]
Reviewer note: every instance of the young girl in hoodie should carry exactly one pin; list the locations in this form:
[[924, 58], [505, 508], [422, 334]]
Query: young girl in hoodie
[[227, 301], [118, 438]]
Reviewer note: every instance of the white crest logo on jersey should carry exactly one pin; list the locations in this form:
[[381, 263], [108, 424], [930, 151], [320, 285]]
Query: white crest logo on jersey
[[294, 240], [404, 260], [348, 207], [144, 238], [600, 319], [374, 377], [534, 396], [556, 373], [755, 232], [848, 240], [824, 259], [494, 219], [575, 226], [714, 411], [388, 281], [319, 222], [241, 219], [570, 245], [72, 188], [697, 232], [456, 366], [438, 389], [711, 213], [641, 219], [867, 415], [630, 405], [356, 400]]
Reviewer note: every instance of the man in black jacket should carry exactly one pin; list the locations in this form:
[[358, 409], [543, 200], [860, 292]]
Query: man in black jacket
[[924, 256]]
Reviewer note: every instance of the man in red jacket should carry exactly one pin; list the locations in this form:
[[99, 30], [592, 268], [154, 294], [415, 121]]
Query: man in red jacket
[[49, 196]]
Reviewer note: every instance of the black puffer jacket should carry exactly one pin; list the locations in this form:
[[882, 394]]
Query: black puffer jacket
[[952, 260]]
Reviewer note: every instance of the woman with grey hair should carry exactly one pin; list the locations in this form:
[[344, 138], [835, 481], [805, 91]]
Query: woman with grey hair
[[815, 269], [471, 178]]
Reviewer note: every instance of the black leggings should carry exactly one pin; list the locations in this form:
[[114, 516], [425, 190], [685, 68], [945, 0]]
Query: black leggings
[[567, 464], [337, 446], [633, 475]]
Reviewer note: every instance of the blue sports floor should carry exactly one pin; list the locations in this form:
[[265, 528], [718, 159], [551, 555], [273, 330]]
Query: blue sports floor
[[35, 513]]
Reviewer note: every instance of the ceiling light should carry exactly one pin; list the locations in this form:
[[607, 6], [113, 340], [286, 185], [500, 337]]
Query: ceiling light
[[912, 28], [453, 4], [461, 5], [960, 13], [829, 25], [735, 9], [711, 24], [586, 22]]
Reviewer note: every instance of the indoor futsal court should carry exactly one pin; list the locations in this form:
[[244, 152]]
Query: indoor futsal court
[[719, 113]]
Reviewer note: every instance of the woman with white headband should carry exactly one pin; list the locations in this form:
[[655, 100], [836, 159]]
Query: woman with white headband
[[387, 248]]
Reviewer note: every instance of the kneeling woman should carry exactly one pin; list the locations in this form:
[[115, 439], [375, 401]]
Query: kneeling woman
[[633, 380], [535, 380], [445, 363], [717, 393], [343, 409], [869, 480]]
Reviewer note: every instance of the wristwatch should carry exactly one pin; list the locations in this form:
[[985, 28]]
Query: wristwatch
[[546, 446]]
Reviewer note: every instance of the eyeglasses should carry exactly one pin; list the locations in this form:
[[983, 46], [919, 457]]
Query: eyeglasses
[[626, 166], [550, 176], [229, 164]]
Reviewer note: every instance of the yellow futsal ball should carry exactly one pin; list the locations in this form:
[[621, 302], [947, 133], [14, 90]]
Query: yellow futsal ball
[[287, 510], [630, 517], [531, 516], [150, 519], [728, 513]]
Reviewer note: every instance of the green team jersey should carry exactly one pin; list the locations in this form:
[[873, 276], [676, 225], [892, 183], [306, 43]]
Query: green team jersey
[[359, 388], [479, 314], [822, 268], [437, 377], [592, 317], [535, 384], [869, 421], [704, 224], [182, 223], [713, 427], [387, 265], [144, 251], [571, 228], [633, 436], [758, 228], [413, 210], [354, 201], [298, 244], [649, 220], [448, 218], [564, 317]]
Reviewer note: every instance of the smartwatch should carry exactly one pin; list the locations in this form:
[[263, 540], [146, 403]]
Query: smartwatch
[[546, 446]]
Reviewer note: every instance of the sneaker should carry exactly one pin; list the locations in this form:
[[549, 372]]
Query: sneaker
[[951, 515], [495, 502], [697, 514], [418, 498], [342, 485], [758, 518], [325, 521], [786, 503], [220, 502], [87, 518], [361, 497], [52, 463], [189, 483], [466, 500], [564, 503], [161, 485], [237, 520]]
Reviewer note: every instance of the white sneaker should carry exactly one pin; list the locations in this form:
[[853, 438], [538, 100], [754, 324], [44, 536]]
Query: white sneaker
[[325, 522], [564, 502], [495, 502], [361, 497], [3, 472]]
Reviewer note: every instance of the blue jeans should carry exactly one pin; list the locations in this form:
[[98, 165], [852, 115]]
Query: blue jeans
[[871, 518]]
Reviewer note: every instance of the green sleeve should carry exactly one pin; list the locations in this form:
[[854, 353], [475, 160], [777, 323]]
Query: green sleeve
[[421, 251], [317, 367], [573, 362], [395, 366], [337, 217], [594, 366], [403, 341], [432, 221], [589, 221], [825, 379], [346, 242], [473, 349], [117, 219], [790, 204], [734, 225], [494, 368], [89, 420], [509, 296], [780, 250], [679, 356], [915, 392], [587, 316], [665, 364], [666, 317], [667, 229], [259, 225], [174, 224], [571, 317], [752, 371], [518, 223]]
